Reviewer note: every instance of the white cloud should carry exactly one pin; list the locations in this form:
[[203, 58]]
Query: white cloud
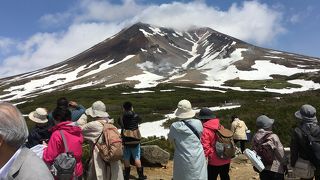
[[5, 45], [94, 20]]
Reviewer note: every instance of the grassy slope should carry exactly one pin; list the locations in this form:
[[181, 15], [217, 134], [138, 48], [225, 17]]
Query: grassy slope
[[151, 106]]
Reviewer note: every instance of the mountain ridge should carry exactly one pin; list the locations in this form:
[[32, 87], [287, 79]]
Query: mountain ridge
[[143, 56]]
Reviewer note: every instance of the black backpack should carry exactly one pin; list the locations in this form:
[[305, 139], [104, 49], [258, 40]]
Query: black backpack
[[64, 164], [312, 138]]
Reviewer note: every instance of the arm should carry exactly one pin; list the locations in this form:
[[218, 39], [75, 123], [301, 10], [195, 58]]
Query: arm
[[82, 120], [206, 141], [232, 127], [53, 149], [294, 154], [279, 151], [171, 134]]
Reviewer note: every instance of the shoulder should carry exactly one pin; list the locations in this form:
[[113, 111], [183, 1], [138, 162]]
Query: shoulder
[[32, 167]]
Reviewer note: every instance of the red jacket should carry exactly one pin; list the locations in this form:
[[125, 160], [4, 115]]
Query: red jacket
[[208, 141], [73, 135]]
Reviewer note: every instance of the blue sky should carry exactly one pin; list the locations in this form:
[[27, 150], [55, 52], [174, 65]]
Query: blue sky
[[38, 33]]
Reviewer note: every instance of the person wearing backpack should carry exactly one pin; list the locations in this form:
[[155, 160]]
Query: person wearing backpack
[[131, 139], [65, 137], [303, 150], [269, 147], [189, 161], [98, 169], [216, 165], [239, 128]]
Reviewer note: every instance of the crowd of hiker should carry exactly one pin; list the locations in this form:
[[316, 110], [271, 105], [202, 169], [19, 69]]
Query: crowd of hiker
[[53, 148]]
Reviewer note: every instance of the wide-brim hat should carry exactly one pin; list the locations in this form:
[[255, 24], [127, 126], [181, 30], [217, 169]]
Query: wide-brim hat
[[98, 109], [39, 116], [206, 113], [307, 113], [184, 110]]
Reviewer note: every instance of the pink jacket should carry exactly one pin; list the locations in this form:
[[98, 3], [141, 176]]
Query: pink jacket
[[73, 135], [208, 141]]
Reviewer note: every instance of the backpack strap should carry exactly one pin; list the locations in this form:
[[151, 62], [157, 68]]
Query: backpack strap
[[64, 141], [191, 128], [264, 138]]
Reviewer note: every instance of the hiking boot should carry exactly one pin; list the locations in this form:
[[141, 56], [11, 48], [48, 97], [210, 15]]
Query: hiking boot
[[126, 173], [140, 173]]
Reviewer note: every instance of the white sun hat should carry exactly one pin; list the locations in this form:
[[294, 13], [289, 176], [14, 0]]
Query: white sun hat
[[39, 115], [98, 109], [184, 110]]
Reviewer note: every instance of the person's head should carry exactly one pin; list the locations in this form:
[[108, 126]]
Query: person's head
[[234, 117], [61, 114], [307, 114], [97, 110], [13, 127], [184, 110], [39, 116], [62, 102], [264, 122], [206, 114], [127, 106]]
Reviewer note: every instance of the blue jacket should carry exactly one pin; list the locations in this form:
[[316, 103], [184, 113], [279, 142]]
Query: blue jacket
[[189, 159]]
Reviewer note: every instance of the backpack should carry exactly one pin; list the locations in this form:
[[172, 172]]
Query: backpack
[[64, 164], [111, 149], [264, 150], [224, 146], [313, 143]]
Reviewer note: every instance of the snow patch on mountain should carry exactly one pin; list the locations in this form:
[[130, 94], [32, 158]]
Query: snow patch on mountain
[[147, 80]]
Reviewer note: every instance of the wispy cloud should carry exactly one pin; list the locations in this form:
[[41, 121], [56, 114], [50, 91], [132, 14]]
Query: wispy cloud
[[6, 45], [92, 21]]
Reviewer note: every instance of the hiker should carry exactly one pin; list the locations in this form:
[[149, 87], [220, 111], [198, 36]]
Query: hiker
[[300, 150], [131, 139], [40, 132], [16, 161], [216, 165], [73, 137], [189, 159], [265, 138], [92, 132], [239, 128], [77, 111]]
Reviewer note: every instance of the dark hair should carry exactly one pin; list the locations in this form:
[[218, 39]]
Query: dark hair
[[233, 117], [61, 114], [62, 102], [127, 106]]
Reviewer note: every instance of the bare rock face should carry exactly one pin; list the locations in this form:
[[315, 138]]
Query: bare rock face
[[153, 155]]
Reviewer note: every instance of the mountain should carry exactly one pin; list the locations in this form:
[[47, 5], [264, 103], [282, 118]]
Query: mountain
[[144, 56]]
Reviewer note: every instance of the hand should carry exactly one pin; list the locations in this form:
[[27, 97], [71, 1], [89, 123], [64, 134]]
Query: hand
[[44, 143], [73, 104]]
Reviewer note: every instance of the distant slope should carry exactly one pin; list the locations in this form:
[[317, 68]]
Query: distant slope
[[144, 56]]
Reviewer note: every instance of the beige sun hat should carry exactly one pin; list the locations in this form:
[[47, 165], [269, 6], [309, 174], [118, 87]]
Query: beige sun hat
[[98, 109], [184, 110], [39, 115]]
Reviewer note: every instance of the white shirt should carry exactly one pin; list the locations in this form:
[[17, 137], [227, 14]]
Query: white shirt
[[6, 168]]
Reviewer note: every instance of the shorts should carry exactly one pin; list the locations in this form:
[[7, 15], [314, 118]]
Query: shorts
[[131, 151]]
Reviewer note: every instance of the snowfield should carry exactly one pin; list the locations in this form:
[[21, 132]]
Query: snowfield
[[156, 129]]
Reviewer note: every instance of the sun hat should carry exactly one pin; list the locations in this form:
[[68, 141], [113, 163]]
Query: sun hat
[[206, 113], [98, 109], [307, 113], [264, 122], [184, 110], [39, 116]]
